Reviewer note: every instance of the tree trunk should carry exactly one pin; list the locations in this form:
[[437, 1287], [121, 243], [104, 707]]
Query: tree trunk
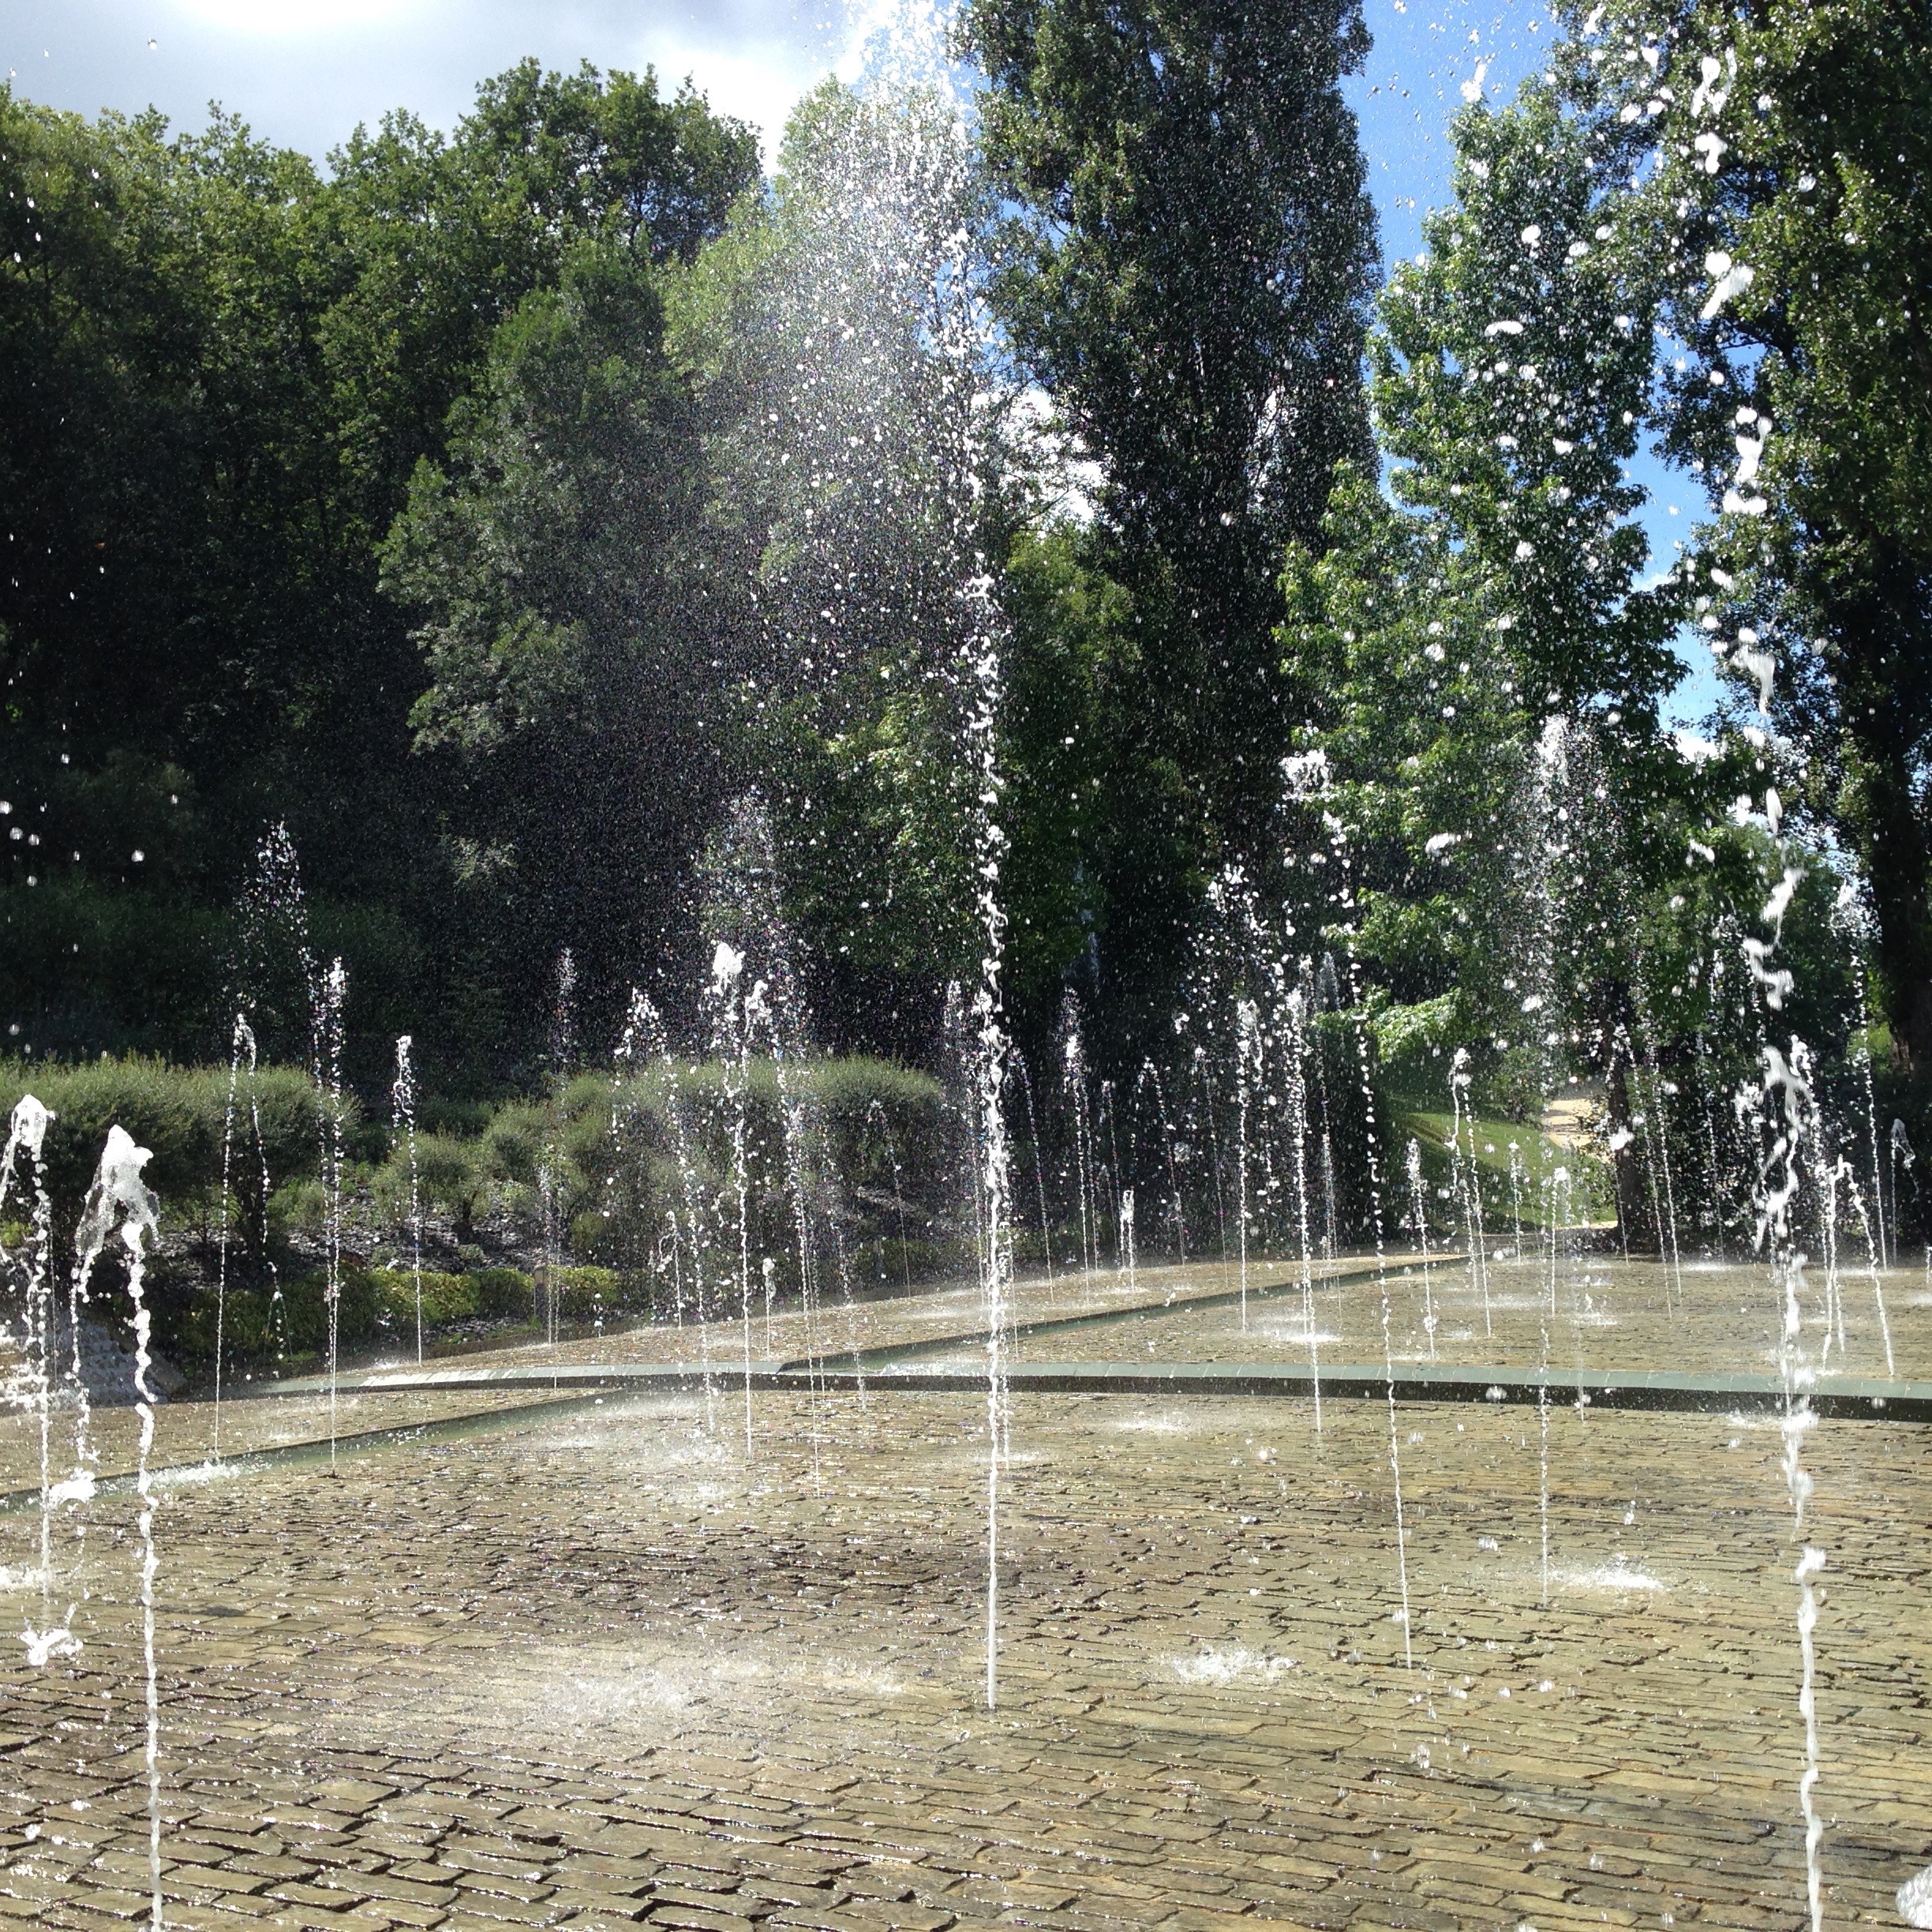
[[1636, 1212], [1898, 861]]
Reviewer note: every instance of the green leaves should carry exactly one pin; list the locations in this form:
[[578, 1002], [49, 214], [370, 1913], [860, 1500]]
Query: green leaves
[[438, 241], [1511, 374], [1474, 651], [1784, 155], [547, 567], [1189, 268], [220, 372], [1187, 272]]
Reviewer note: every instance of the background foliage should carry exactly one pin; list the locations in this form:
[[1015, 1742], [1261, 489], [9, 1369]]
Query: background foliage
[[499, 511]]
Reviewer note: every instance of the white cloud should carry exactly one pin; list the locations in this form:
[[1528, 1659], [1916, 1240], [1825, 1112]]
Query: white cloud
[[760, 83], [304, 73], [293, 19]]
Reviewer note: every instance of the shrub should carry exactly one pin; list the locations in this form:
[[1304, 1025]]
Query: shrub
[[305, 1314], [247, 1325], [875, 1109], [623, 1179], [583, 1292], [614, 1149], [179, 1113], [295, 1205], [446, 1298], [450, 1181], [377, 1304], [512, 1144], [504, 1291]]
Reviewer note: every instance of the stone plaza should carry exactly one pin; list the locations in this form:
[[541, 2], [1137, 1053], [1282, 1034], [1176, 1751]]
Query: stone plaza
[[514, 1656]]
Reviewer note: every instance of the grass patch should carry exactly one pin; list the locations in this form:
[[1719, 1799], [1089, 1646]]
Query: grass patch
[[1592, 1186]]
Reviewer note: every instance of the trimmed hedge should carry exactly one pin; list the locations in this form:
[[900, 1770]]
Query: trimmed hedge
[[605, 1166], [377, 1304], [612, 1148], [178, 1114], [502, 1292], [611, 1152], [583, 1293]]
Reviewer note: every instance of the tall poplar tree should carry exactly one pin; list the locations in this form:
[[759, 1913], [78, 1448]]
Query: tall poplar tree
[[1188, 272]]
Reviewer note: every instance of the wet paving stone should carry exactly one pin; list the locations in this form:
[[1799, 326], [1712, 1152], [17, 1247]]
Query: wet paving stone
[[600, 1667]]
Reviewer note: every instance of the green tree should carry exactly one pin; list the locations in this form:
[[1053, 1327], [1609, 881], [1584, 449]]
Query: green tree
[[1104, 881], [855, 438], [1782, 154], [573, 685], [1480, 661], [219, 370], [181, 653], [438, 239], [1187, 271]]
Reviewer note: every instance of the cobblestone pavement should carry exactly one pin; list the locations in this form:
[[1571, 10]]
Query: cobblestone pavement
[[591, 1668]]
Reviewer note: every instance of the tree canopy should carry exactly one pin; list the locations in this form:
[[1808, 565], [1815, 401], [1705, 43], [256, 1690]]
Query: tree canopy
[[1777, 160], [222, 369], [1187, 272], [498, 519]]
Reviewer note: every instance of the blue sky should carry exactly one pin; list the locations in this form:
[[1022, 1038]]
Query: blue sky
[[303, 73]]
